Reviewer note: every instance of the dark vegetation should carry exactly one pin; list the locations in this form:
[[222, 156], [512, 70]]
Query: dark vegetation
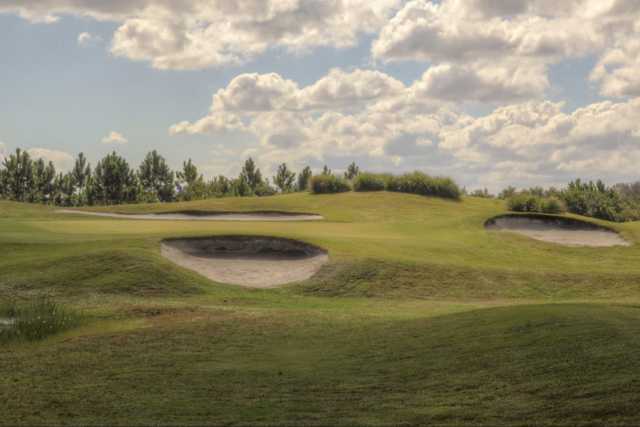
[[35, 320], [113, 181]]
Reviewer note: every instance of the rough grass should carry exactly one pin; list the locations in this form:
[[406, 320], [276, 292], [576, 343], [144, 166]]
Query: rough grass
[[421, 317], [36, 320]]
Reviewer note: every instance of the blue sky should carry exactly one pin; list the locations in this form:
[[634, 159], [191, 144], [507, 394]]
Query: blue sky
[[366, 81]]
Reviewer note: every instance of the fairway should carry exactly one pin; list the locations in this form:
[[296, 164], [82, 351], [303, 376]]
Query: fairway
[[420, 316]]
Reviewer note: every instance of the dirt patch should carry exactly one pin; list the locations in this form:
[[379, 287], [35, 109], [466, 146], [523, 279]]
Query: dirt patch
[[204, 216], [563, 231], [251, 261]]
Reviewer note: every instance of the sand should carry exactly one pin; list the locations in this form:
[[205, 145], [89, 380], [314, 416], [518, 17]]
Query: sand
[[562, 231], [256, 262], [217, 216]]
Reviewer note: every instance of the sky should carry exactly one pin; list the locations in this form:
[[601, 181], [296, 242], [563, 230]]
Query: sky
[[492, 93]]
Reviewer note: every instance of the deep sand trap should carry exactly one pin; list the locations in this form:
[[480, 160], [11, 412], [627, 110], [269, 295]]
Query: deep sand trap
[[194, 216], [256, 262], [563, 231]]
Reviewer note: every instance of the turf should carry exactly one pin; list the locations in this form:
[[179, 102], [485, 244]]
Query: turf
[[421, 316]]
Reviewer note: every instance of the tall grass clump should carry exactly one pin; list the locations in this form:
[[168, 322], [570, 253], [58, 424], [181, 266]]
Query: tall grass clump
[[324, 184], [370, 182], [425, 185], [36, 320]]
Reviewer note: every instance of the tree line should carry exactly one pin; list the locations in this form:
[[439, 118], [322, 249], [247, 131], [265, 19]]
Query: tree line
[[113, 181]]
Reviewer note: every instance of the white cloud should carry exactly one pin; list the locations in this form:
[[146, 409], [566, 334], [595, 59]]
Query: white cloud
[[115, 138], [87, 39], [193, 34], [61, 160]]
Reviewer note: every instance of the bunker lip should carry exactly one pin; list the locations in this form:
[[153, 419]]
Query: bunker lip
[[250, 261], [193, 215], [555, 229]]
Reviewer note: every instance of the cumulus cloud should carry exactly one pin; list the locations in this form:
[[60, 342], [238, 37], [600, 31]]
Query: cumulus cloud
[[115, 138], [87, 39], [480, 36], [193, 34], [390, 126], [60, 159]]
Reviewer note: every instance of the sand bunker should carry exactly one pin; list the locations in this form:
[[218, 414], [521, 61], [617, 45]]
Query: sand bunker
[[257, 262], [205, 216], [563, 231]]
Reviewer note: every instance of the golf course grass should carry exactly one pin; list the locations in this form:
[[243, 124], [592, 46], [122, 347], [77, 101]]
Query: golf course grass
[[421, 316]]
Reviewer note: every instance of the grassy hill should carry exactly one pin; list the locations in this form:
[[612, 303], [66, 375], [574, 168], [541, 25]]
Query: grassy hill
[[421, 316]]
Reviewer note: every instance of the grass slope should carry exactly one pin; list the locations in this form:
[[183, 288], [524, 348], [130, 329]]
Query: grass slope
[[421, 317]]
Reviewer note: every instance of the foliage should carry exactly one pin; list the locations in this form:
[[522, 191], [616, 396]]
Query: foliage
[[484, 193], [323, 184], [114, 181], [527, 202], [36, 320], [190, 182], [251, 175], [304, 178], [370, 182], [352, 171], [284, 179], [156, 178], [425, 185], [593, 199]]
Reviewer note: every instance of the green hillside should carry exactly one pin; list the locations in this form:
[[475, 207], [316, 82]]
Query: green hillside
[[421, 316]]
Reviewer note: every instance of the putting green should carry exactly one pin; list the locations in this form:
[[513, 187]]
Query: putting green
[[421, 316]]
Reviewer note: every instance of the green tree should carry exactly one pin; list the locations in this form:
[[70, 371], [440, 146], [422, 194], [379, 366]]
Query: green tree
[[114, 181], [81, 176], [304, 178], [284, 179], [43, 188], [191, 185], [156, 178], [251, 174], [352, 171], [326, 171], [16, 176]]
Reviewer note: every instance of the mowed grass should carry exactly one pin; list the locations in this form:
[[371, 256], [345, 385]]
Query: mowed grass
[[420, 317]]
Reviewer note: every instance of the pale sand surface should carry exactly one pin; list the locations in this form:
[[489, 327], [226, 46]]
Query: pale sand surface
[[263, 216], [256, 265], [554, 231]]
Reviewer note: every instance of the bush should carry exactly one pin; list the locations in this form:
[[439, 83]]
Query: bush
[[425, 185], [36, 320], [525, 203], [324, 184], [370, 182], [552, 205]]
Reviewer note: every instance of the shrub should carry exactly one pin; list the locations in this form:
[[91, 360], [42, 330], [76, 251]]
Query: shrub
[[552, 205], [323, 184], [370, 182], [525, 203], [425, 185], [36, 320]]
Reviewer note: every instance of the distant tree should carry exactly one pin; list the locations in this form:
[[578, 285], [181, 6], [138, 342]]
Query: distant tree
[[191, 183], [251, 174], [44, 176], [64, 190], [326, 170], [114, 181], [508, 192], [219, 186], [304, 179], [81, 176], [17, 176], [240, 187], [264, 188], [352, 171], [484, 193], [284, 179], [156, 178]]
